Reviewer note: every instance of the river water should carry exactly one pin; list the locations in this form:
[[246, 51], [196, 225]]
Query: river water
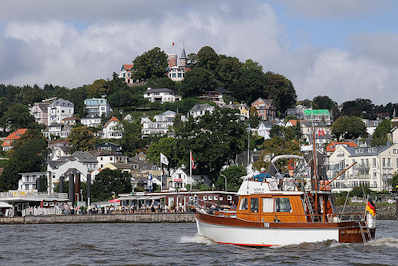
[[175, 244]]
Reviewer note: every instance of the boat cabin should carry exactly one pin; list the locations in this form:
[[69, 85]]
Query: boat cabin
[[284, 207]]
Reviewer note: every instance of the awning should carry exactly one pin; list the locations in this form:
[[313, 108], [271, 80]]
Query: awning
[[142, 197], [114, 201], [5, 205]]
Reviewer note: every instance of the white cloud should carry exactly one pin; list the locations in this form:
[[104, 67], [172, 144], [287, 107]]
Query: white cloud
[[335, 8], [342, 76]]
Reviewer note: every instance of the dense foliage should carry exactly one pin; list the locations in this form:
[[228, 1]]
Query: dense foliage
[[108, 182], [349, 127], [28, 155]]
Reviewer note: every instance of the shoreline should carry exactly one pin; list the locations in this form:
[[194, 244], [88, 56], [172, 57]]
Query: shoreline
[[101, 218]]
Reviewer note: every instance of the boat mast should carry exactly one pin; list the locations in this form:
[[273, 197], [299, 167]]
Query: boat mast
[[315, 176]]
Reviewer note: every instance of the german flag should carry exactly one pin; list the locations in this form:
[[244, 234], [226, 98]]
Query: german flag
[[371, 208]]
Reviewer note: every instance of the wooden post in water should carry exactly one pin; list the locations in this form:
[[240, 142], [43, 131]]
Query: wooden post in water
[[72, 188], [88, 178]]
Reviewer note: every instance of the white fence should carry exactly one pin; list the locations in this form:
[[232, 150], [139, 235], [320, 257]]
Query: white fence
[[41, 211]]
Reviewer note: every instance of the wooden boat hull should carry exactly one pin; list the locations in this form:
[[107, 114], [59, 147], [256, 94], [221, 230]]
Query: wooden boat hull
[[230, 230]]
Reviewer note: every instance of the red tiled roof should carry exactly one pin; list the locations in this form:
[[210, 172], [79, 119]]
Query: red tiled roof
[[113, 119], [331, 147], [128, 67], [293, 122], [13, 137]]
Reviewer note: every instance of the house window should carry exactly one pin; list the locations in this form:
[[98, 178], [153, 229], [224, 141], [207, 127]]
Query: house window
[[384, 162], [229, 197], [374, 162], [389, 162], [204, 197]]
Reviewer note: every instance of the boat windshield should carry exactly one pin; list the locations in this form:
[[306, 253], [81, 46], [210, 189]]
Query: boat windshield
[[254, 204], [282, 205]]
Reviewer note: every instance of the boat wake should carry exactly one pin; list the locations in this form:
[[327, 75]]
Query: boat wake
[[198, 239], [389, 242]]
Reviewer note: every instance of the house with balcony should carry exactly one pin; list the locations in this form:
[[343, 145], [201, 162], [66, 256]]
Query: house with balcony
[[199, 110], [58, 110], [113, 129], [265, 109], [161, 95], [374, 166], [105, 158], [28, 181], [161, 124], [97, 107]]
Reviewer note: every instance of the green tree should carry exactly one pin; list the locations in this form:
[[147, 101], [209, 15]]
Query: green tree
[[28, 155], [213, 144], [197, 81], [363, 108], [17, 116], [324, 102], [393, 182], [82, 139], [228, 70], [380, 136], [98, 88], [163, 82], [208, 58], [232, 176], [349, 127], [250, 86], [169, 147], [151, 64], [277, 145], [131, 139], [108, 182], [281, 90]]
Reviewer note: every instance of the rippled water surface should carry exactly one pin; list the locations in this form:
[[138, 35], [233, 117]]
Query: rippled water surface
[[175, 244]]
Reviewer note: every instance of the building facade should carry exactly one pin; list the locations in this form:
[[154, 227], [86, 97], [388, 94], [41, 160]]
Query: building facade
[[162, 95], [58, 110]]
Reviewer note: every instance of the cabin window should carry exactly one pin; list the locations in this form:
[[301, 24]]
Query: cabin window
[[254, 205], [282, 205], [243, 204], [268, 205]]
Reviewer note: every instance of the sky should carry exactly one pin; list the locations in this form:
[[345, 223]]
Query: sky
[[345, 49]]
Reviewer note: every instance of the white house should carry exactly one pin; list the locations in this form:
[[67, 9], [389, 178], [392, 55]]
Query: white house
[[107, 157], [264, 129], [84, 162], [179, 179], [40, 111], [91, 121], [113, 129], [97, 107], [161, 95], [59, 110], [375, 166], [161, 125], [200, 110], [177, 66], [28, 181]]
